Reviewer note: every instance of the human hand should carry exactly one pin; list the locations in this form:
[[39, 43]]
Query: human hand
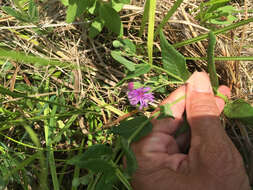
[[212, 162]]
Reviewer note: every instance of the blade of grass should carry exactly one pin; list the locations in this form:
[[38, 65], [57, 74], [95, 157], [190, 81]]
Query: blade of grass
[[220, 31], [29, 59], [50, 128], [168, 15], [21, 165], [39, 118], [235, 58], [151, 26], [144, 17], [65, 128], [6, 91], [39, 148], [77, 169], [43, 174]]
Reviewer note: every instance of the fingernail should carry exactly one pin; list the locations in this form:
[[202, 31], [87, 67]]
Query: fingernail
[[200, 82]]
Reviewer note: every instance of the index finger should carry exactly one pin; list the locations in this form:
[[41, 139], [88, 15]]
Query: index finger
[[203, 113]]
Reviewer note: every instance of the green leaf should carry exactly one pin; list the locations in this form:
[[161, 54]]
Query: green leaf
[[173, 61], [16, 14], [128, 127], [33, 11], [94, 151], [76, 9], [116, 5], [23, 58], [228, 20], [214, 2], [131, 161], [111, 18], [96, 27], [211, 63], [96, 165], [106, 182], [84, 180], [239, 109], [117, 44], [71, 11], [65, 2], [97, 150], [82, 6], [129, 46], [93, 7], [165, 112], [140, 69], [126, 44], [118, 57]]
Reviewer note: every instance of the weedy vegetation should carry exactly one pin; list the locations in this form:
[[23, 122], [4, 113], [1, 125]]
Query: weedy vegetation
[[65, 120]]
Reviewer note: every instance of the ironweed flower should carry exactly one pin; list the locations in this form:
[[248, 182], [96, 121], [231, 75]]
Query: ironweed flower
[[140, 96]]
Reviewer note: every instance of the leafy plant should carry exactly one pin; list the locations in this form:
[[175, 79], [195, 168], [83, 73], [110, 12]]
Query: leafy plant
[[216, 12], [30, 15], [105, 14]]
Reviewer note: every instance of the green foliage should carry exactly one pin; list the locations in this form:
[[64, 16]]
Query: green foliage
[[106, 183], [211, 64], [140, 69], [96, 27], [130, 157], [106, 14], [118, 57], [111, 18], [95, 165], [127, 128], [23, 58], [239, 109], [32, 15], [216, 12], [95, 151], [173, 61], [226, 16], [18, 15], [165, 112]]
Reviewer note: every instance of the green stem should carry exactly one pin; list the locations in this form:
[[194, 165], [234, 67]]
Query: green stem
[[241, 58], [225, 98], [165, 71], [123, 179], [138, 130], [220, 31], [151, 26]]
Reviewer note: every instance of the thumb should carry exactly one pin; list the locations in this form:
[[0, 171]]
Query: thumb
[[202, 111]]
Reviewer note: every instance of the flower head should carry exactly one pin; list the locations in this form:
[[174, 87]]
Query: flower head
[[140, 95]]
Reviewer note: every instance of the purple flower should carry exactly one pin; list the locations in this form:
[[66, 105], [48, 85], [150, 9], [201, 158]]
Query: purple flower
[[140, 95]]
